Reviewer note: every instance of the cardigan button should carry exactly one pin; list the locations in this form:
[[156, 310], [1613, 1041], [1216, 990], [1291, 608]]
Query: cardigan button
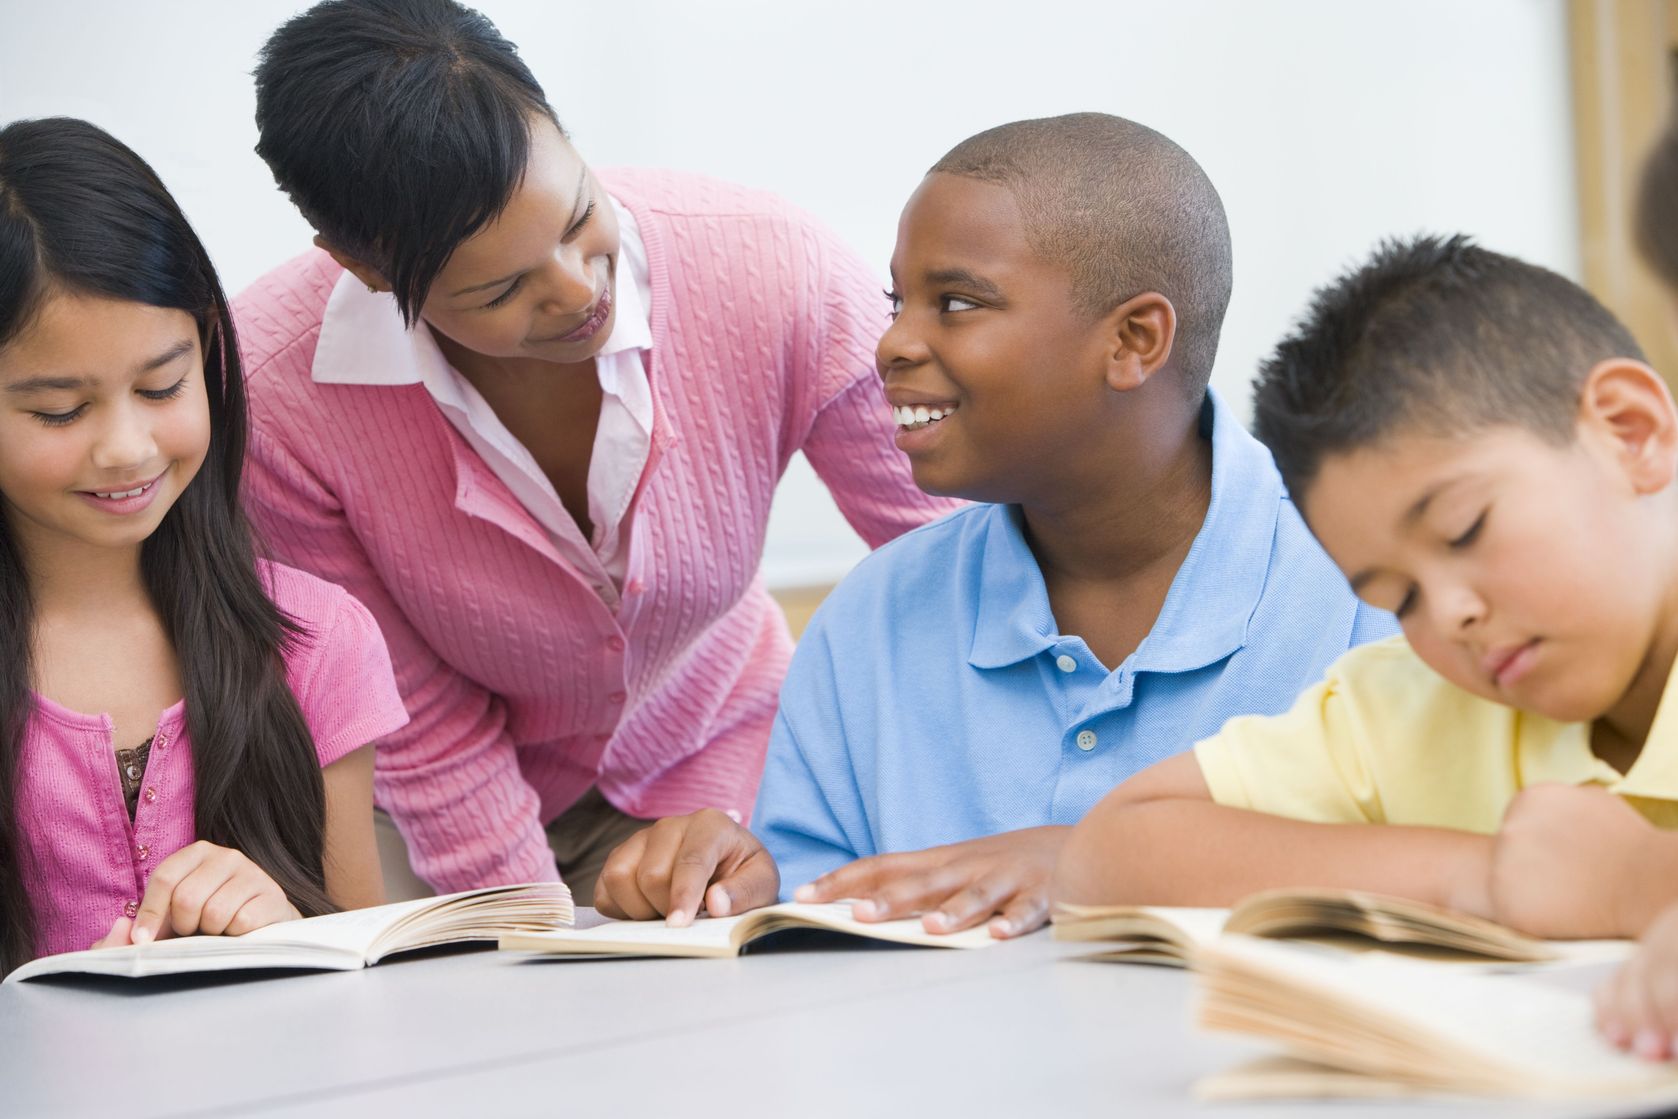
[[635, 586], [131, 908], [151, 794], [615, 643], [616, 698]]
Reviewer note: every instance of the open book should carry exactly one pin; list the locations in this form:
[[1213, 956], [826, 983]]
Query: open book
[[1167, 935], [1390, 1025], [728, 936], [335, 942]]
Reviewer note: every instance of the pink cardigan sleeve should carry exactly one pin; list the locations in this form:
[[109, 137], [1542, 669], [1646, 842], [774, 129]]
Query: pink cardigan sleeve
[[850, 444], [451, 777]]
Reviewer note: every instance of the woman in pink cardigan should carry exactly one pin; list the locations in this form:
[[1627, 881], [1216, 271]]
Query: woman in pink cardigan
[[533, 418]]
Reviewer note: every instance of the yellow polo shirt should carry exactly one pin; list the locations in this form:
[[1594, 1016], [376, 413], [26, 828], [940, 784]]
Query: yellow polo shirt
[[1383, 739]]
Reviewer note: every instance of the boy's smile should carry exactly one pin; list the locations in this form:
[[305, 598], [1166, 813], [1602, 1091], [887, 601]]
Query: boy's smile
[[1522, 571], [992, 373]]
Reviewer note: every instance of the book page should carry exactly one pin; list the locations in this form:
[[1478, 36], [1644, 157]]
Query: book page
[[1475, 1029], [1182, 926], [724, 936]]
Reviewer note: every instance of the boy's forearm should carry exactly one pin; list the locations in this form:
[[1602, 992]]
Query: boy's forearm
[[1194, 852]]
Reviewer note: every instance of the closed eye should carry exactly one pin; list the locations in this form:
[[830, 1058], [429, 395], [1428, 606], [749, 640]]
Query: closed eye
[[1405, 604], [512, 288], [169, 393], [1468, 537], [59, 419]]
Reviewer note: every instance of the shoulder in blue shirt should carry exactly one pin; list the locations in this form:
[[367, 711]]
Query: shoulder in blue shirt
[[932, 699]]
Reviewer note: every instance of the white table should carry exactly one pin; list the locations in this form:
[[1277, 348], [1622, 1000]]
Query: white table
[[1021, 1030]]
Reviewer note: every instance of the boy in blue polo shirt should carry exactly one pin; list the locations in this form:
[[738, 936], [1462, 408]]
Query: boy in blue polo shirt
[[1134, 576]]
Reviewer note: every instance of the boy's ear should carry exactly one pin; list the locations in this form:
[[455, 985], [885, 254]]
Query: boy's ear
[[1629, 404], [1139, 335], [360, 269]]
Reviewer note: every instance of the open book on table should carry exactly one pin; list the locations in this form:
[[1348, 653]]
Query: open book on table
[[1384, 1025], [335, 942], [729, 936], [1347, 918]]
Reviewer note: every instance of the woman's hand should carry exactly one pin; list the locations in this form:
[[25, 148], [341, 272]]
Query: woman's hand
[[681, 862], [211, 890]]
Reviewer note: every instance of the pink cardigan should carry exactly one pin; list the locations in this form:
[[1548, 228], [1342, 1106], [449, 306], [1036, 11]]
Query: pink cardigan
[[523, 687]]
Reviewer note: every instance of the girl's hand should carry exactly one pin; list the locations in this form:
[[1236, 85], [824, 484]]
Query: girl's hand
[[210, 890]]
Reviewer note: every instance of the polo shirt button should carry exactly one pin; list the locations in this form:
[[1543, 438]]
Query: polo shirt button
[[615, 643], [1066, 663], [1086, 740], [131, 908], [616, 697]]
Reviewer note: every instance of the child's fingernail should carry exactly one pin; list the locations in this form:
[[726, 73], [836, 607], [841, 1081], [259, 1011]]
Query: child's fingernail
[[720, 902], [1616, 1034], [678, 919], [806, 892], [1650, 1045], [1002, 927], [865, 910], [140, 935]]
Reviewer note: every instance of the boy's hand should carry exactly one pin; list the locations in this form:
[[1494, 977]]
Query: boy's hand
[[1576, 861], [1005, 877], [215, 891], [1637, 1008], [670, 868]]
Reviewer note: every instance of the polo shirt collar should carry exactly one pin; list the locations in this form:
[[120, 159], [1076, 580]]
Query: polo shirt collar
[[1654, 775], [1212, 598]]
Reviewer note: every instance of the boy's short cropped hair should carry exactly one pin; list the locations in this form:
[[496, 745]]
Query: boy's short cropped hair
[[1437, 335], [398, 128], [1125, 210]]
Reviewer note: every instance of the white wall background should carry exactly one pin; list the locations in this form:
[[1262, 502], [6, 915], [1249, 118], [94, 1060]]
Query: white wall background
[[1326, 125]]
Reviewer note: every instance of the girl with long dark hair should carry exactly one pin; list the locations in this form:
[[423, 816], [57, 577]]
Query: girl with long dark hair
[[183, 728]]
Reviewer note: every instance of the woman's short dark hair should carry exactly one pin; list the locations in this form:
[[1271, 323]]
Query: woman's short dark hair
[[398, 127], [81, 213]]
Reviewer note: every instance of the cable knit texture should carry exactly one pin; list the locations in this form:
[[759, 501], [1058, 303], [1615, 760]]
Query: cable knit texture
[[85, 862], [524, 688]]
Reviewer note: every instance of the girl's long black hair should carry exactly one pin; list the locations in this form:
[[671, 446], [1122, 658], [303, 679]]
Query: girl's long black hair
[[80, 212]]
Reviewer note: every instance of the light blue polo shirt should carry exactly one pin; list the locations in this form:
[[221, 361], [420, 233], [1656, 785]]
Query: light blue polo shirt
[[932, 698]]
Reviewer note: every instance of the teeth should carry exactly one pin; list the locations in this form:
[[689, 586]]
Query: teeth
[[125, 493], [914, 415]]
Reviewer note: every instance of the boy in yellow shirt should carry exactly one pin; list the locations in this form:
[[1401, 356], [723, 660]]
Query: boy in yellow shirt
[[1479, 446]]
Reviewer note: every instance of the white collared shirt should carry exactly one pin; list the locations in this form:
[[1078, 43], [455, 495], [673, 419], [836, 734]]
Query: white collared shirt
[[363, 342]]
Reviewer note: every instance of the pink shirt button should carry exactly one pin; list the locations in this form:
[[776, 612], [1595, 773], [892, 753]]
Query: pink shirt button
[[131, 908], [615, 643], [616, 697], [635, 586], [141, 851], [151, 795]]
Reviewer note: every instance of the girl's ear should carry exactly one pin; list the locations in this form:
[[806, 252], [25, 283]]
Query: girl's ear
[[360, 269], [1138, 336], [1628, 406]]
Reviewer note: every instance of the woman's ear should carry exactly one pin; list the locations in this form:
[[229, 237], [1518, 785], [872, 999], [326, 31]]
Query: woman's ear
[[1628, 406], [360, 269], [1138, 336]]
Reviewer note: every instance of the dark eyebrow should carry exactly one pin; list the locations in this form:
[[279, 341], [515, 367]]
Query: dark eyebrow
[[962, 278], [71, 384], [582, 181]]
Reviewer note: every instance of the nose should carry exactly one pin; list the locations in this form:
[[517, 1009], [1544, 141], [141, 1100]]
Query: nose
[[125, 441], [568, 281], [1457, 608], [900, 347]]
